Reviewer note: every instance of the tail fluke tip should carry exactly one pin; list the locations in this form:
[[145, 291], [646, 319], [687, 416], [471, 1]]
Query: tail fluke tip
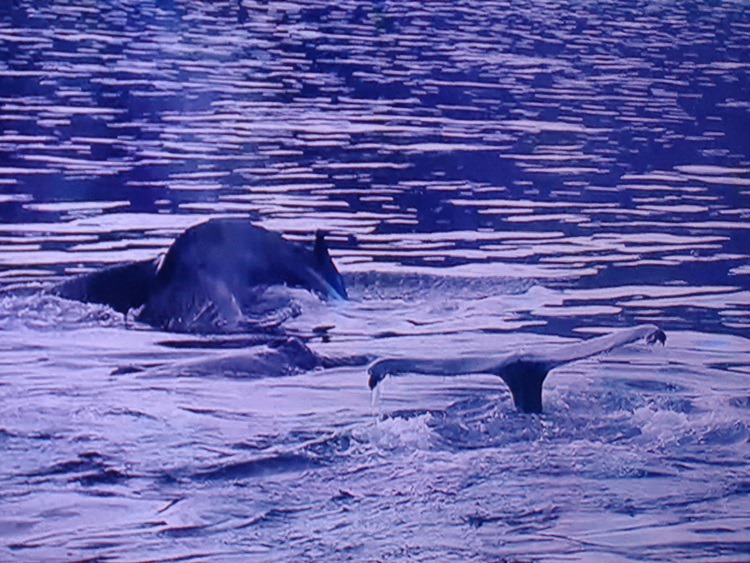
[[657, 335]]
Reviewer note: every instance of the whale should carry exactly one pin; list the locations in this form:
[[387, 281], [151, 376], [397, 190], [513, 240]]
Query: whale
[[523, 372], [214, 278], [269, 356]]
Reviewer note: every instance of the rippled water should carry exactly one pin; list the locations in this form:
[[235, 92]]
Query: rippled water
[[493, 175]]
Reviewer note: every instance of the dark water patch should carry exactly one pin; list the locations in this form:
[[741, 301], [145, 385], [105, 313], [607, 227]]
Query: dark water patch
[[637, 393], [713, 530], [20, 546], [185, 531], [107, 476], [732, 367], [130, 413], [388, 334], [168, 478], [695, 460], [343, 496], [212, 343], [356, 360], [5, 435], [720, 549], [131, 369], [211, 412], [726, 434], [85, 462], [684, 405], [601, 427], [740, 488], [101, 545], [652, 386], [89, 470], [646, 473], [740, 402], [44, 436], [262, 467], [532, 521], [624, 506], [274, 516]]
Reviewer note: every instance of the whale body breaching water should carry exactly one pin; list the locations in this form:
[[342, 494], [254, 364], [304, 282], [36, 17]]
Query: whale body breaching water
[[213, 278], [524, 373]]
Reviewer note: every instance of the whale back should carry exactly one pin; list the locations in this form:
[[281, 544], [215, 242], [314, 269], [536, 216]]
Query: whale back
[[213, 278], [239, 254]]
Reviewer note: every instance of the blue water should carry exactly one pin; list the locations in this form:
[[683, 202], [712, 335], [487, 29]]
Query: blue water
[[494, 176]]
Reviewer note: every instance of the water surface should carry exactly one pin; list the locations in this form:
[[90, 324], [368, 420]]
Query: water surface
[[494, 176]]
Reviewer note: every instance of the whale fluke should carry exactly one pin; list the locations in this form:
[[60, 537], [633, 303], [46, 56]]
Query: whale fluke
[[524, 373]]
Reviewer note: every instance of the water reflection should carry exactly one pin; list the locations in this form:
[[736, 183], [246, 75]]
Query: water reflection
[[493, 176], [536, 117]]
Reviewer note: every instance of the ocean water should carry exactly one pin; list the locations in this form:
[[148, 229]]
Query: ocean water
[[493, 176]]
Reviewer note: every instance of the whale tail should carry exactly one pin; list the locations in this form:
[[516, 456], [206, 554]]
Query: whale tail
[[524, 374]]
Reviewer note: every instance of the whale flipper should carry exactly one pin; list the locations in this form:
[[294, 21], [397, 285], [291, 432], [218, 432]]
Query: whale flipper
[[524, 373]]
